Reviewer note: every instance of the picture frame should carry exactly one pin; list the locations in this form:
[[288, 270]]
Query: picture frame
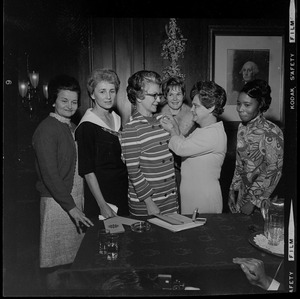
[[231, 48]]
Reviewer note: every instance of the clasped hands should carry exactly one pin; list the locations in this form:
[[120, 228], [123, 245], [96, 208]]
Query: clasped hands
[[247, 208]]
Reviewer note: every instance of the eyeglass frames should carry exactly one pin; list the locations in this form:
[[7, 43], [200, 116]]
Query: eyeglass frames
[[154, 95]]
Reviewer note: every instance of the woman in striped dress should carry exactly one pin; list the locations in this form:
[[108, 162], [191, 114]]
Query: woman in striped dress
[[150, 164]]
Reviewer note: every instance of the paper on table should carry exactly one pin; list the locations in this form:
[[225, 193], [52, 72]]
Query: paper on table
[[113, 207], [114, 225], [127, 221], [188, 223]]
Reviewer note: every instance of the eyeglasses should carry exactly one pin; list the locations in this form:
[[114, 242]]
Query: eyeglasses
[[154, 95]]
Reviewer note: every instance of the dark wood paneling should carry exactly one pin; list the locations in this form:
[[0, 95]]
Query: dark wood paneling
[[154, 34], [102, 43], [124, 62], [137, 45], [194, 63], [10, 97]]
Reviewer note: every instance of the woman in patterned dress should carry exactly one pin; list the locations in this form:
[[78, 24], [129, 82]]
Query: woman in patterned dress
[[59, 185], [150, 164], [259, 153], [99, 150]]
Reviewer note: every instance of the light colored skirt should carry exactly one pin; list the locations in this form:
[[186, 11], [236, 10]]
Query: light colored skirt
[[59, 236]]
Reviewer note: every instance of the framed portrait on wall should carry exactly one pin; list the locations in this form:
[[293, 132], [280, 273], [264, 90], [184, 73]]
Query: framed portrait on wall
[[238, 56]]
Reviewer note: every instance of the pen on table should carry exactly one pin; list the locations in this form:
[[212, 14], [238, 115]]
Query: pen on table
[[195, 214]]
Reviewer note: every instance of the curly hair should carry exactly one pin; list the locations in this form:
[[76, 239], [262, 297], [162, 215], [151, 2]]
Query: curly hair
[[62, 82], [99, 75], [137, 82], [261, 91], [210, 94]]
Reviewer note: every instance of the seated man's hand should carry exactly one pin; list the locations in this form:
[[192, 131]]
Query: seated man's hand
[[254, 271]]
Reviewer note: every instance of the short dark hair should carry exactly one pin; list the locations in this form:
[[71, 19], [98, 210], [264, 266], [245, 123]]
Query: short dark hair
[[137, 82], [62, 82], [210, 94], [261, 91], [169, 84]]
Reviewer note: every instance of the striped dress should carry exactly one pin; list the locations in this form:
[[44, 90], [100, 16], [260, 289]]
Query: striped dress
[[150, 165]]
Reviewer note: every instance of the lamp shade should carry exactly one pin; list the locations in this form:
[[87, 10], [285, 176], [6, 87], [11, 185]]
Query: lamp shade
[[23, 86], [45, 90], [34, 79]]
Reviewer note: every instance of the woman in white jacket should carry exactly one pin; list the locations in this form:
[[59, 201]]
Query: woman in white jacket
[[203, 151]]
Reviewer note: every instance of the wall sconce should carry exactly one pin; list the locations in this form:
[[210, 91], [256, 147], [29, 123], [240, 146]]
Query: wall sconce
[[28, 90]]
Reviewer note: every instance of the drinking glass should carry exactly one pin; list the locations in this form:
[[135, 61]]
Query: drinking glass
[[275, 229], [112, 247], [102, 240]]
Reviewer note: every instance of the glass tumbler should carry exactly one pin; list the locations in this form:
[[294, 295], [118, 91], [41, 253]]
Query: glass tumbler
[[102, 240], [112, 247], [275, 229]]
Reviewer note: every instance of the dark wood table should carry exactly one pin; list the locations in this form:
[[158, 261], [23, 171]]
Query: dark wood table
[[200, 257]]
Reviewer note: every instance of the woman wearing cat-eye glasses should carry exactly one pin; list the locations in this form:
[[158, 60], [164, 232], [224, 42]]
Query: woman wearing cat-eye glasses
[[150, 164]]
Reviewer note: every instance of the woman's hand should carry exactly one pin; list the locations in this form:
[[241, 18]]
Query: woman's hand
[[254, 271], [151, 206], [170, 124], [248, 208], [92, 181], [79, 217], [107, 211], [231, 201]]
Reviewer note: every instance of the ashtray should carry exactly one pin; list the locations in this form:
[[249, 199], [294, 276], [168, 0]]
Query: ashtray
[[140, 227]]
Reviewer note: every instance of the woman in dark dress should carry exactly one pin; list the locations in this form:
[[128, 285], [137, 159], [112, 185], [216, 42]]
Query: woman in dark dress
[[99, 150]]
